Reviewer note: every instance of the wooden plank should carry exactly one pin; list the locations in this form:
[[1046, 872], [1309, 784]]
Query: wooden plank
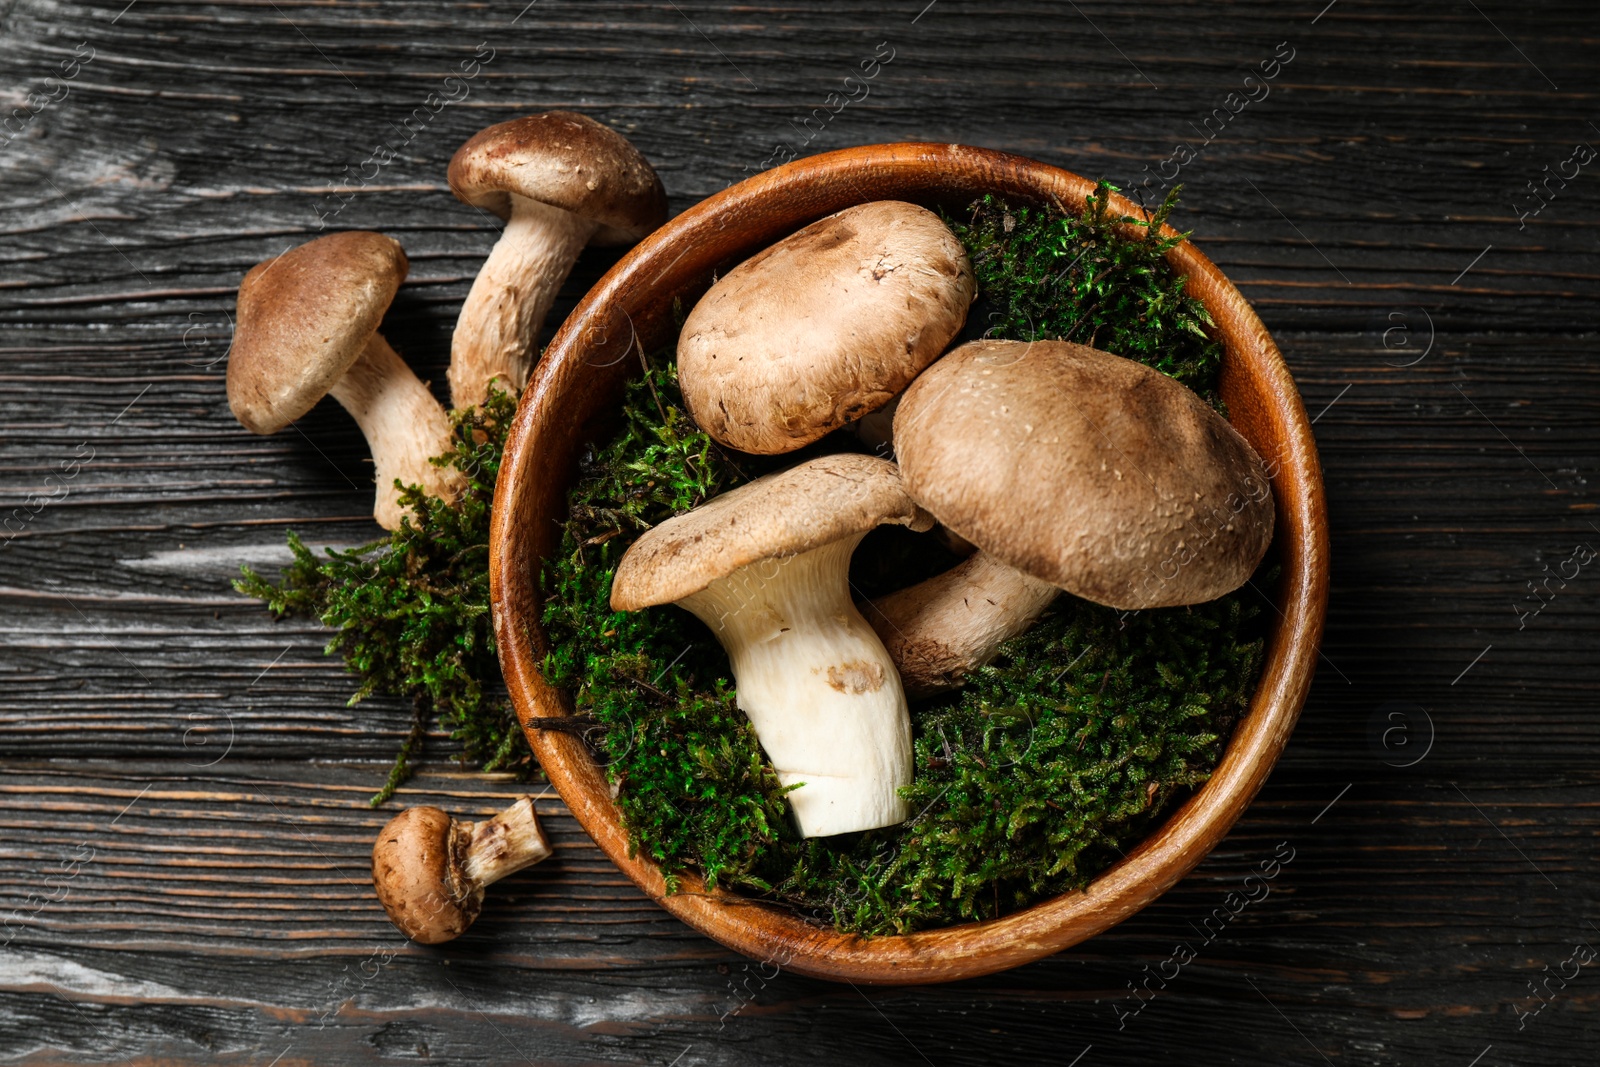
[[263, 926], [1372, 197]]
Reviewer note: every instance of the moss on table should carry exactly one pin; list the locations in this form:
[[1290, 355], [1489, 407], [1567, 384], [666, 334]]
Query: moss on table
[[410, 611]]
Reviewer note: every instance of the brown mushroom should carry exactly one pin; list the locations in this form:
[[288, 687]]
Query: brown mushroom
[[307, 327], [766, 566], [561, 181], [823, 327], [430, 870], [1069, 468]]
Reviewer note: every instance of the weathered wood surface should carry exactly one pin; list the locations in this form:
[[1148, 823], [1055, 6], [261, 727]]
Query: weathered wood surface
[[224, 916]]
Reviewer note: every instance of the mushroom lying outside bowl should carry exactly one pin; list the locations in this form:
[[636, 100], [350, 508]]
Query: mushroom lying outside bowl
[[578, 385]]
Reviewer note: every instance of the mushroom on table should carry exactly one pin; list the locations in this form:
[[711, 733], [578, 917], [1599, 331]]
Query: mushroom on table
[[823, 327], [307, 327], [1070, 469], [430, 871], [766, 567], [561, 181]]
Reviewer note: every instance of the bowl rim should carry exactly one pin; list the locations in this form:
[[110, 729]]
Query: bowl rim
[[588, 356]]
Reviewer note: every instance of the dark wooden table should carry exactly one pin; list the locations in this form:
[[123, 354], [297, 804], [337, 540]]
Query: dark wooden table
[[182, 788]]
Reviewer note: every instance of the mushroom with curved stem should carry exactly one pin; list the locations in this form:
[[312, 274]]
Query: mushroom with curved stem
[[430, 871], [766, 566], [307, 327], [824, 327], [561, 181], [1070, 469]]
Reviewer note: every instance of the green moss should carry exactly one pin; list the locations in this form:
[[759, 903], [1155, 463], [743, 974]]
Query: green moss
[[411, 610], [1044, 274], [1056, 757]]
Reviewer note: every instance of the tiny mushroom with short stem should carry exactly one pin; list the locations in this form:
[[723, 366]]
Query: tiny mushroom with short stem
[[766, 566], [1070, 469], [307, 327], [823, 327], [430, 870], [561, 181]]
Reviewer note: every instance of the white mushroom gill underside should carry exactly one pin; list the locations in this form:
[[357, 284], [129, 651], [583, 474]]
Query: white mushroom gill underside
[[818, 686]]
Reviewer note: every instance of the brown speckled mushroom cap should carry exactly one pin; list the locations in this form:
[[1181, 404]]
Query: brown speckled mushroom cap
[[823, 327], [412, 872], [1092, 472], [566, 160], [805, 507], [303, 319]]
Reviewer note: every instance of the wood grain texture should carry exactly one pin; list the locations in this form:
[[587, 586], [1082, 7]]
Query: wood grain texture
[[203, 137]]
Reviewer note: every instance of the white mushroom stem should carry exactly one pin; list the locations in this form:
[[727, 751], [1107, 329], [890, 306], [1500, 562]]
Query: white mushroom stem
[[502, 845], [939, 630], [404, 425], [499, 323], [818, 686]]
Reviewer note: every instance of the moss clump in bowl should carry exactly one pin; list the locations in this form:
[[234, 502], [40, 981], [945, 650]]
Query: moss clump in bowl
[[1053, 760]]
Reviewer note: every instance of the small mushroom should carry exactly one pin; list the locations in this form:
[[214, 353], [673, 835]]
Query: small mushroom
[[766, 566], [1069, 468], [823, 327], [561, 181], [430, 870], [307, 327]]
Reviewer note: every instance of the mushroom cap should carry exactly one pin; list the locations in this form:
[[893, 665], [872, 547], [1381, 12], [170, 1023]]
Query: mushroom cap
[[303, 319], [807, 506], [412, 872], [566, 160], [823, 327], [1095, 473]]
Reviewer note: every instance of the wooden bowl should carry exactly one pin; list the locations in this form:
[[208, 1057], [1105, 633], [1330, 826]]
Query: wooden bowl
[[580, 380]]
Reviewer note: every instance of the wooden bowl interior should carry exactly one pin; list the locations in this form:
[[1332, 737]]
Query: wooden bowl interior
[[575, 393]]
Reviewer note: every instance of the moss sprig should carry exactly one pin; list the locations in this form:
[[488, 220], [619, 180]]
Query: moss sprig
[[410, 611]]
